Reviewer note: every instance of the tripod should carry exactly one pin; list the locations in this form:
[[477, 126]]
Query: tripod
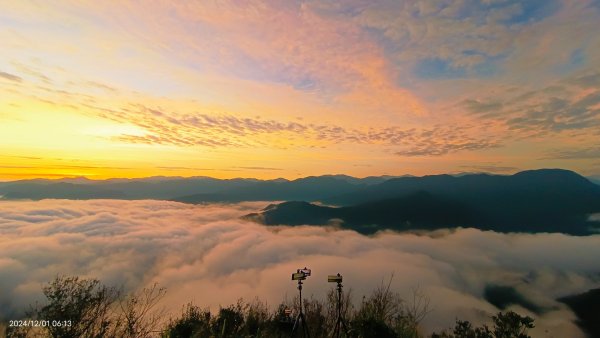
[[340, 323], [300, 319]]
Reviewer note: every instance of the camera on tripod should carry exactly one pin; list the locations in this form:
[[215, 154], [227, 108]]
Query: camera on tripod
[[334, 278], [301, 274]]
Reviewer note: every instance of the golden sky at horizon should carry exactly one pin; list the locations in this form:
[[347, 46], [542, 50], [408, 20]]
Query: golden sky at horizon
[[272, 89]]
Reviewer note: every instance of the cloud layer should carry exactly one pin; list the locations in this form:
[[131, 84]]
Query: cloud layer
[[206, 254]]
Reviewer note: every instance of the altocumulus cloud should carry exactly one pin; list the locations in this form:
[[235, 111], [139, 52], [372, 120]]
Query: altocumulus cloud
[[206, 254]]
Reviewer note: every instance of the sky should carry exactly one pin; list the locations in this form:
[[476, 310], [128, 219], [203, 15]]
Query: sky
[[207, 255], [289, 89]]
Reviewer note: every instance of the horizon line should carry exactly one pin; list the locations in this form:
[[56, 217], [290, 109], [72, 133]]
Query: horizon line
[[455, 173]]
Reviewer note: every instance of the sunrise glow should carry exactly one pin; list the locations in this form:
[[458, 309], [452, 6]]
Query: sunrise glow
[[271, 89]]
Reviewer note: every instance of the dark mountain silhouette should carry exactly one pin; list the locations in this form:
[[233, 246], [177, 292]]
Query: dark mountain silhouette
[[366, 180], [548, 200], [477, 185], [311, 188], [189, 190], [587, 308], [504, 296], [403, 213], [169, 188], [146, 188], [294, 213], [57, 190]]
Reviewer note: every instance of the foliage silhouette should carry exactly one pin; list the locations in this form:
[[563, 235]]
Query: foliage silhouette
[[86, 308], [506, 325], [96, 310]]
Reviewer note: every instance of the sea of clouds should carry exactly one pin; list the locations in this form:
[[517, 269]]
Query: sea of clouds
[[208, 255]]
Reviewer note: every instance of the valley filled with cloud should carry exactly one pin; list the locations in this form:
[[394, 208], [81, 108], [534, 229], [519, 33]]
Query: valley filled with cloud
[[208, 255]]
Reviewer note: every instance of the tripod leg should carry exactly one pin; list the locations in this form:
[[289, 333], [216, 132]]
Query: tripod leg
[[305, 327], [336, 330], [296, 323], [345, 327]]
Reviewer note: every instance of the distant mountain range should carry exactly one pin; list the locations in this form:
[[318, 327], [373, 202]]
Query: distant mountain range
[[587, 308], [147, 188], [314, 188], [547, 200], [189, 190]]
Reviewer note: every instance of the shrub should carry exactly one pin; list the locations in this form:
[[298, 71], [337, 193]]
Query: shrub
[[82, 304], [99, 311], [87, 308], [506, 325], [194, 322]]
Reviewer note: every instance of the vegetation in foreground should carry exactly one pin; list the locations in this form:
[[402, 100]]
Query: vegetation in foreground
[[78, 307]]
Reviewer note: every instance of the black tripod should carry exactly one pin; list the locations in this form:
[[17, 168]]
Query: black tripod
[[300, 319], [340, 323]]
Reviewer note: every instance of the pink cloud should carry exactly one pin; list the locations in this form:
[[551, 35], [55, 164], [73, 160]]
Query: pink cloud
[[206, 254]]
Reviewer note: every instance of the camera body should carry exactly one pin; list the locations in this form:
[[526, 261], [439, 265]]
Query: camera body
[[334, 278], [298, 276], [301, 274]]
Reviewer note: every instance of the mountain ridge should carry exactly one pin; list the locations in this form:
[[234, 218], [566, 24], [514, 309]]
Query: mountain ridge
[[547, 200], [198, 189], [335, 189]]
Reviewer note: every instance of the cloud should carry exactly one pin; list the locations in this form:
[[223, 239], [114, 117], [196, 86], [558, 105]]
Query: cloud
[[23, 157], [440, 40], [10, 77], [259, 168], [590, 80], [61, 167], [433, 148], [191, 168], [198, 74], [206, 254], [586, 153], [561, 106], [227, 130], [479, 107], [32, 72], [558, 114]]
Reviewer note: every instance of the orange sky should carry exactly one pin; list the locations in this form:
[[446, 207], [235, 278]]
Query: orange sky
[[272, 89]]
